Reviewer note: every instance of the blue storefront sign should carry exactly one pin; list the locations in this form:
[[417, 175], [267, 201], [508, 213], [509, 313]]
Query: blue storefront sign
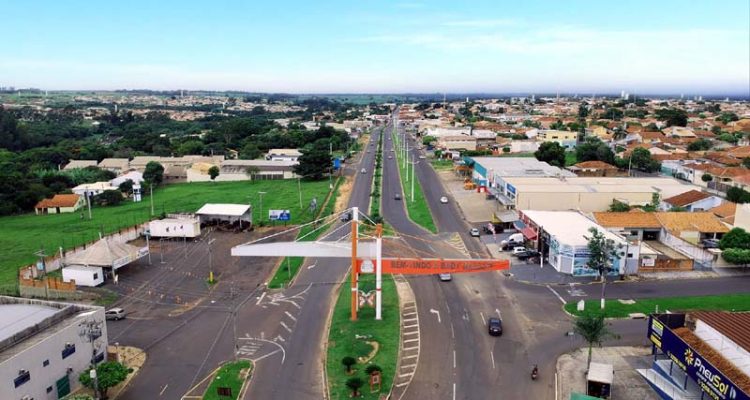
[[510, 188], [709, 378]]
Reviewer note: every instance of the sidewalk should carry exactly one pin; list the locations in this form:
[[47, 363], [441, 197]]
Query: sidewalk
[[627, 384]]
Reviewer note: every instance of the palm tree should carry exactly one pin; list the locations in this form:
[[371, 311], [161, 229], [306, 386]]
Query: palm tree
[[354, 384], [348, 362], [594, 330]]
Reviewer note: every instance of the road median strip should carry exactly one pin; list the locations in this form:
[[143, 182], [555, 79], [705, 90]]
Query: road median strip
[[417, 210]]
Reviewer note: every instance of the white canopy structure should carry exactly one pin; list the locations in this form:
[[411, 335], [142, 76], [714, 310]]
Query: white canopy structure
[[107, 253], [225, 212]]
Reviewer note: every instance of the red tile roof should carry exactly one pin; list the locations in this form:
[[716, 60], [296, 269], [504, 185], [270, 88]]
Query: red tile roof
[[594, 165], [686, 198], [733, 325], [60, 200]]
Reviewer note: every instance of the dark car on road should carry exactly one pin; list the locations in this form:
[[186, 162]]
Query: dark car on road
[[495, 326], [527, 255]]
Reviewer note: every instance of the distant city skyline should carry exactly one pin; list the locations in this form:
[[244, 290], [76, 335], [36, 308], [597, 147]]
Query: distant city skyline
[[585, 47]]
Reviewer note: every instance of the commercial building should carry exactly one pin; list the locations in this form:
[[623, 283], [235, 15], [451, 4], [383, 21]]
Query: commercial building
[[561, 237], [60, 203], [700, 355], [493, 171], [283, 155], [457, 142], [42, 349], [586, 194], [74, 164], [244, 170], [566, 139], [93, 189]]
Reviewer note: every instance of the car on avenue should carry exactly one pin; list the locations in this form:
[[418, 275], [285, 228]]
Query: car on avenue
[[364, 171], [474, 232], [495, 326], [114, 314], [444, 200], [397, 196], [518, 250], [445, 277]]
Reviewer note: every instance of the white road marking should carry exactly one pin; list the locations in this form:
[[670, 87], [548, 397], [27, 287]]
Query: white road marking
[[410, 348], [453, 333], [286, 327], [410, 319], [290, 316], [410, 326], [311, 266], [267, 355], [481, 314], [556, 294], [411, 340], [260, 298], [410, 313], [163, 389], [492, 357], [436, 312], [454, 358], [406, 375], [498, 313], [411, 333], [412, 356], [279, 338], [454, 390]]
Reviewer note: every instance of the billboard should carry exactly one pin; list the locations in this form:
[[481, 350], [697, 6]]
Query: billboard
[[279, 215], [427, 266], [708, 377]]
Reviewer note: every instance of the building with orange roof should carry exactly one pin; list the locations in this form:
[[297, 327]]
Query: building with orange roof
[[595, 168], [60, 203], [692, 200]]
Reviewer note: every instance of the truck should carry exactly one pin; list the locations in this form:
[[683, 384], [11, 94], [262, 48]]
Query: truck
[[514, 239], [175, 227]]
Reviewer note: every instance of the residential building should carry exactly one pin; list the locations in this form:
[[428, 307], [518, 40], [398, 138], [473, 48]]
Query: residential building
[[116, 165], [566, 139], [60, 203], [135, 176], [693, 200], [283, 155], [458, 142], [600, 132], [73, 164], [237, 170], [92, 189], [679, 131], [595, 168], [42, 351]]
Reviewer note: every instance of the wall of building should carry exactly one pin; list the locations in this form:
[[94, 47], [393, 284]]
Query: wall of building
[[586, 202], [725, 346], [742, 217], [194, 176], [32, 359]]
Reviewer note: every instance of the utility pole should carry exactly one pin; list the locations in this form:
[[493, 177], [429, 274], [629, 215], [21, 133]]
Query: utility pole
[[151, 190], [149, 247], [354, 278], [260, 214], [210, 263], [90, 330], [232, 294], [379, 272], [88, 203], [413, 164], [41, 254], [299, 190]]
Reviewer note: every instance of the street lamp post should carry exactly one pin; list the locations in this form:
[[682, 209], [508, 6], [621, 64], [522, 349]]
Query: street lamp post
[[413, 164], [210, 263], [260, 214]]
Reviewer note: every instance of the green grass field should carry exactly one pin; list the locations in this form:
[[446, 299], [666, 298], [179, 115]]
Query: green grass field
[[342, 341], [442, 165], [291, 265], [22, 235], [228, 376], [418, 210], [615, 309]]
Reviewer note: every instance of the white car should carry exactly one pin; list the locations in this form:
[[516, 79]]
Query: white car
[[444, 200], [474, 232], [422, 157], [519, 250], [445, 277], [364, 171]]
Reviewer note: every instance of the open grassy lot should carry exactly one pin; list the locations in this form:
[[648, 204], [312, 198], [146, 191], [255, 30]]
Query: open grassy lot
[[615, 309], [342, 341], [291, 265], [442, 165], [418, 210], [231, 375], [22, 235]]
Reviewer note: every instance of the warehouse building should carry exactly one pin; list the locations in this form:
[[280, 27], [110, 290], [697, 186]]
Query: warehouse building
[[42, 350]]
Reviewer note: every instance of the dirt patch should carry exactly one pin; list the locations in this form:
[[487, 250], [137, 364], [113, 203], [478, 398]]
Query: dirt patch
[[345, 191]]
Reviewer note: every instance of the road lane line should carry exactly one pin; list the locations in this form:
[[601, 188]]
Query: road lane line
[[556, 294], [436, 312], [454, 359], [288, 314], [286, 327], [454, 390], [453, 333], [266, 356], [260, 298], [492, 357], [163, 389], [481, 314]]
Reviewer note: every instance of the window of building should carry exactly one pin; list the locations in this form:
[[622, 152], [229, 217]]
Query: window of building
[[96, 275], [69, 349], [45, 363], [23, 377]]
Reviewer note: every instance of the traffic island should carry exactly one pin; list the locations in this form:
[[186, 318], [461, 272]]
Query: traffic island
[[368, 342], [417, 209]]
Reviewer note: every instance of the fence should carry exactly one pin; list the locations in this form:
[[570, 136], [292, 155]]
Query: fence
[[48, 287], [666, 264], [688, 249]]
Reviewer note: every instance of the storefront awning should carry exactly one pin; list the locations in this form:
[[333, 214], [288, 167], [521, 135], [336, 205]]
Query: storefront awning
[[528, 233]]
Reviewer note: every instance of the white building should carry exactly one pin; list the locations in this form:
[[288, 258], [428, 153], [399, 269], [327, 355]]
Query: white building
[[180, 227], [41, 351], [135, 176], [283, 155], [92, 189]]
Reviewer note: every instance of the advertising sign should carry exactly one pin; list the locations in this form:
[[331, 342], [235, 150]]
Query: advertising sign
[[429, 266], [708, 377], [279, 215], [510, 188]]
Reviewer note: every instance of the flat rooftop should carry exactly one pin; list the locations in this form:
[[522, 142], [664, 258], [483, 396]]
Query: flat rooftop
[[570, 225], [17, 317], [667, 187], [520, 166]]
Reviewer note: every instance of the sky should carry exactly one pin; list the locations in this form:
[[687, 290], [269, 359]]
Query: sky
[[408, 46]]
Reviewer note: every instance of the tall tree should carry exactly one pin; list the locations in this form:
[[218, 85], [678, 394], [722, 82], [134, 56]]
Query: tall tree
[[601, 252], [552, 153], [154, 173], [737, 238], [213, 172], [594, 330], [593, 149], [314, 164], [641, 159], [109, 374]]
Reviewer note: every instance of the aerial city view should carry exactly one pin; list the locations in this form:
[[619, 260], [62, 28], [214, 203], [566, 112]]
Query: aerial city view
[[403, 200]]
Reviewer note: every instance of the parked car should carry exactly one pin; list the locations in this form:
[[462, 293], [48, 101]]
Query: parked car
[[523, 256], [397, 196], [474, 232], [421, 157], [390, 157], [518, 250], [445, 277], [444, 200], [114, 314], [364, 171], [710, 243], [495, 326]]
